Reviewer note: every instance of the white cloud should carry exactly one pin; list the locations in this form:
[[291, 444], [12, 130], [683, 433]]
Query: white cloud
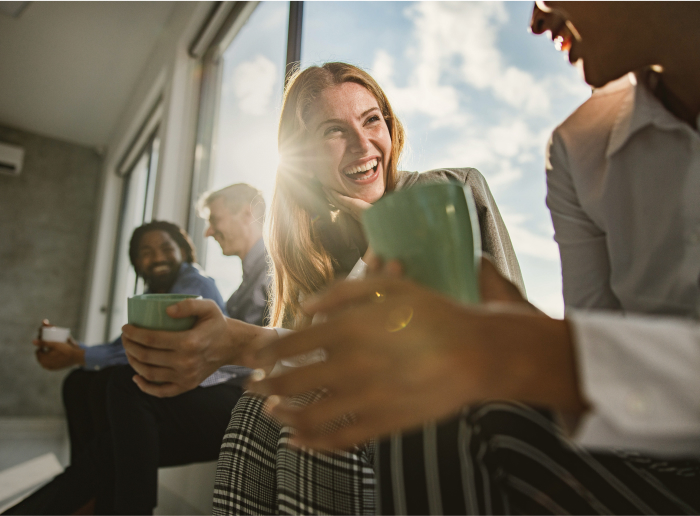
[[446, 33], [454, 53], [520, 89], [527, 242], [509, 140], [498, 151], [424, 95], [551, 303], [253, 84]]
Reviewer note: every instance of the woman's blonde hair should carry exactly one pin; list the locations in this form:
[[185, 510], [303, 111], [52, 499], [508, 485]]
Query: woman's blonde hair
[[301, 261]]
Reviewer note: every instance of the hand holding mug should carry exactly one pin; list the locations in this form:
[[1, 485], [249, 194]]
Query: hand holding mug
[[54, 355], [180, 360]]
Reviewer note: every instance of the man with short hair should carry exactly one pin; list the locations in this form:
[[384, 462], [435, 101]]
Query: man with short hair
[[164, 256], [236, 214], [119, 435]]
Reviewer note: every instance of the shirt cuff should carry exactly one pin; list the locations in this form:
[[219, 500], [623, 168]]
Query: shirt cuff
[[639, 375], [93, 358], [282, 332], [359, 271]]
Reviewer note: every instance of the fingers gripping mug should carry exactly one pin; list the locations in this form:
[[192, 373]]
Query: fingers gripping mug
[[148, 311], [434, 231]]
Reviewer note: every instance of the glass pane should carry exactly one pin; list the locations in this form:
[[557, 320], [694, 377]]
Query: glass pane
[[473, 89], [245, 141], [139, 192]]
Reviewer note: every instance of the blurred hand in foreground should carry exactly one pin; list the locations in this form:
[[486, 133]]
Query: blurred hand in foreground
[[398, 355], [493, 287], [169, 363]]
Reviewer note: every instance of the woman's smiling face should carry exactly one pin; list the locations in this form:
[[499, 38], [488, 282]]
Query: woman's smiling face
[[349, 145]]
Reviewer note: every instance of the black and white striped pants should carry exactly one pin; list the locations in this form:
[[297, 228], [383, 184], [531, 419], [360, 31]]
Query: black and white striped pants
[[504, 458]]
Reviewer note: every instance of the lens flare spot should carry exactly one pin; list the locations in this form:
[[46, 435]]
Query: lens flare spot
[[399, 318]]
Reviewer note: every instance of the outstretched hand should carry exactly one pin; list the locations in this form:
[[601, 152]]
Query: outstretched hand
[[398, 355], [53, 356], [58, 355], [169, 363]]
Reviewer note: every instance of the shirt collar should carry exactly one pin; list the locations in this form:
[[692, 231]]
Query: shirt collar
[[256, 253], [639, 109]]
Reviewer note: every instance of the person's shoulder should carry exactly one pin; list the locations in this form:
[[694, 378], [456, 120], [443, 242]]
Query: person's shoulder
[[598, 114], [463, 175], [405, 179], [193, 270], [193, 280], [469, 176], [192, 276]]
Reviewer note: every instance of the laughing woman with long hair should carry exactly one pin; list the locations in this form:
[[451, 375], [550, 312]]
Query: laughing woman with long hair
[[340, 144]]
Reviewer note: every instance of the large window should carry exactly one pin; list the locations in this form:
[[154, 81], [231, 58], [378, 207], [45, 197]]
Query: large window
[[471, 85], [244, 142], [136, 209]]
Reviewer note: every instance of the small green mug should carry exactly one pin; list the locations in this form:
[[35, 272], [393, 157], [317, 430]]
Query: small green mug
[[148, 311], [434, 231]]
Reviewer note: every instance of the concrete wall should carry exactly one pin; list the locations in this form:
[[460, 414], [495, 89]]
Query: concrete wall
[[46, 221]]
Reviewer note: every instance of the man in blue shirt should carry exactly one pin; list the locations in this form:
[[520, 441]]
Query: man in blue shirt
[[163, 255], [119, 436]]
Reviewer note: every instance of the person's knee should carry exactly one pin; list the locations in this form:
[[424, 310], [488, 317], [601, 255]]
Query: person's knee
[[75, 385], [504, 418], [502, 433], [122, 385]]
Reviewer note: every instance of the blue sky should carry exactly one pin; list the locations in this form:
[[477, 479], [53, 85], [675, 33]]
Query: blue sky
[[471, 85]]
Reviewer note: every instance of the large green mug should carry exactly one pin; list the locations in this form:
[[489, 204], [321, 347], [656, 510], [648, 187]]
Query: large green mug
[[148, 311], [434, 231]]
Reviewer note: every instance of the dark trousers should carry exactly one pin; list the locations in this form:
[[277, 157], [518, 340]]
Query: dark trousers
[[120, 466], [84, 400], [504, 458]]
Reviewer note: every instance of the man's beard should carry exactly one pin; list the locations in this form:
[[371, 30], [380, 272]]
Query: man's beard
[[161, 282]]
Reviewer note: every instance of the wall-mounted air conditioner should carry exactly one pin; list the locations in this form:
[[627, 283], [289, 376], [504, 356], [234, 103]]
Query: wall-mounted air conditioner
[[11, 159]]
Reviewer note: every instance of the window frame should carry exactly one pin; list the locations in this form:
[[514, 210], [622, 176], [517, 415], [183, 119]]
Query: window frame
[[210, 95], [131, 159]]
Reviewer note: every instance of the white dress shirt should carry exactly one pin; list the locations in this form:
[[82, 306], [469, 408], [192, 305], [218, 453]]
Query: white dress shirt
[[623, 178]]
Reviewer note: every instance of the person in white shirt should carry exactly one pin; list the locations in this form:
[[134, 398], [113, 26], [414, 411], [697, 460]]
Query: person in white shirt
[[623, 189]]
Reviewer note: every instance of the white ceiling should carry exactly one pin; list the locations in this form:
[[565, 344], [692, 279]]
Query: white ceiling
[[67, 69]]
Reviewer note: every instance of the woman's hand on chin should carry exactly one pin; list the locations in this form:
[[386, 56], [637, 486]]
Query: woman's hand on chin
[[353, 206]]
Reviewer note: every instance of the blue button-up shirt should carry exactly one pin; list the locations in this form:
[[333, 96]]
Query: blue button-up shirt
[[191, 279], [248, 303]]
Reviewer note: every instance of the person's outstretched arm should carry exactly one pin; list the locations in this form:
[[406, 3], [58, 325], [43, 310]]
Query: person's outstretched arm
[[180, 361]]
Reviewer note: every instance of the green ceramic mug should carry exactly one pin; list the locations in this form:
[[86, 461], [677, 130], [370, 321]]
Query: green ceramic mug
[[434, 231], [148, 311]]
